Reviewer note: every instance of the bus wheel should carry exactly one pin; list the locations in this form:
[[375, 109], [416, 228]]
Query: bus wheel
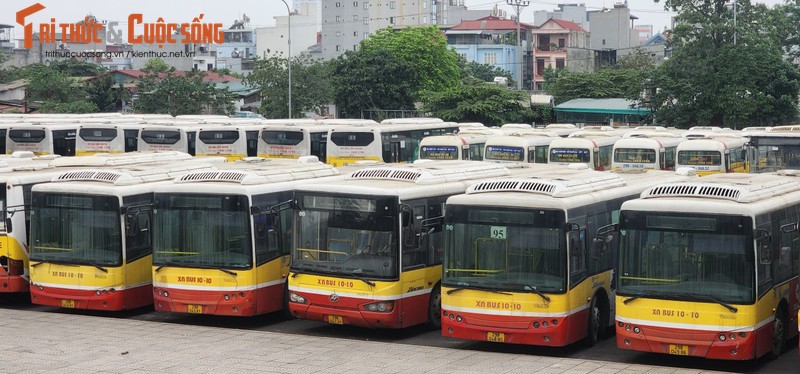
[[435, 308], [594, 323], [778, 334]]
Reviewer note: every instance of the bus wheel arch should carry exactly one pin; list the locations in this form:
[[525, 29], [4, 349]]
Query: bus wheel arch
[[779, 332], [597, 323], [435, 307]]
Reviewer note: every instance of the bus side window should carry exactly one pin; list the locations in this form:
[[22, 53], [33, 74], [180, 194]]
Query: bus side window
[[577, 256], [541, 154]]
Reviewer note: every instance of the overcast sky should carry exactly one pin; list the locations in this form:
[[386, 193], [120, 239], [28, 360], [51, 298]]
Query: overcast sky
[[261, 12]]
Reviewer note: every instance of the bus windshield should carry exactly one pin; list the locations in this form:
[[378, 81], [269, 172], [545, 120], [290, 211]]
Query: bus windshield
[[635, 155], [680, 256], [195, 230], [353, 236], [97, 135], [76, 229], [160, 136], [700, 158], [3, 206], [517, 250], [771, 154], [438, 152]]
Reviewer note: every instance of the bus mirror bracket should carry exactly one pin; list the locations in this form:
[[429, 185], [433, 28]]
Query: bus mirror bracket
[[406, 215], [572, 227], [431, 225], [762, 238], [789, 227], [9, 227]]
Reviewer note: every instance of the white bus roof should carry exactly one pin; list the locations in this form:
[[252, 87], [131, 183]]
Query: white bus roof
[[453, 139], [711, 144], [728, 193], [647, 142], [563, 188], [110, 159], [131, 175], [520, 141], [347, 121], [573, 142], [262, 171], [411, 120]]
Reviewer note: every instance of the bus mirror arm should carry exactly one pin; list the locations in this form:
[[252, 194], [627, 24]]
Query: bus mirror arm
[[789, 227], [9, 227], [606, 231], [598, 247]]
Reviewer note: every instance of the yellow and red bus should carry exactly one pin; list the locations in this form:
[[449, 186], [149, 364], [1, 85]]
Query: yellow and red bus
[[218, 246], [521, 266], [90, 244], [368, 248], [710, 268]]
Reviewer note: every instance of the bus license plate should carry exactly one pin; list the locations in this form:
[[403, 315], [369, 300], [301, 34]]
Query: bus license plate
[[194, 309], [680, 350], [498, 337], [336, 320], [67, 303]]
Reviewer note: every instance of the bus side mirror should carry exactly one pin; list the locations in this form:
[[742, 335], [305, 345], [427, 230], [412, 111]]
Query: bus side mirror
[[762, 238], [8, 225], [789, 227], [598, 248]]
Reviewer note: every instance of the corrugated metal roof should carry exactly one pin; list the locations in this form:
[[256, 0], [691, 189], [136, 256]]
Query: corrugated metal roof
[[616, 106]]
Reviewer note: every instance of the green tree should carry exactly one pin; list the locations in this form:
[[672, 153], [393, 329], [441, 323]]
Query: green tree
[[489, 104], [602, 84], [372, 79], [76, 68], [103, 94], [486, 72], [156, 65], [710, 80], [425, 50], [311, 85], [48, 84], [181, 94]]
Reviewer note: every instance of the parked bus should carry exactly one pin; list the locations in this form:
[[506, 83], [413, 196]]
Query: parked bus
[[452, 147], [233, 142], [710, 268], [219, 247], [519, 266], [17, 178], [107, 138], [387, 142], [562, 129], [57, 139], [168, 136], [527, 147], [774, 149], [91, 236], [293, 140], [367, 249], [646, 150], [714, 155], [591, 147]]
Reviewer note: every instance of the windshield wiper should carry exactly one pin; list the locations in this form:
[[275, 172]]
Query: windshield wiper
[[730, 307], [536, 290], [355, 274], [196, 266], [36, 264], [170, 264], [104, 270], [467, 286], [638, 295]]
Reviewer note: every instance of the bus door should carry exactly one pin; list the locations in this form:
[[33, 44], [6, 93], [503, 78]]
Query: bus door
[[131, 140], [728, 168], [421, 249], [64, 142], [191, 141], [252, 143], [3, 141], [662, 164], [319, 146]]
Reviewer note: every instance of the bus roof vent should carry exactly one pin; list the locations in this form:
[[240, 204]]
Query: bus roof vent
[[249, 174], [234, 176], [89, 175], [434, 171], [556, 184], [788, 128], [743, 188]]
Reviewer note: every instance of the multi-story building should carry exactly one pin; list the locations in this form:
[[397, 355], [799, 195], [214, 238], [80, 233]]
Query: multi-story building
[[275, 40], [613, 28], [238, 52], [345, 23], [645, 32], [552, 40], [493, 41], [575, 13]]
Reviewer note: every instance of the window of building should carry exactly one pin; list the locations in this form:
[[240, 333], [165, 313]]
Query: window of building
[[338, 4], [392, 4], [490, 58], [604, 42], [338, 48], [562, 43], [355, 47], [463, 55], [355, 4], [338, 18], [355, 17], [391, 20], [366, 5], [559, 63], [355, 33], [366, 20], [424, 5], [424, 20], [338, 34]]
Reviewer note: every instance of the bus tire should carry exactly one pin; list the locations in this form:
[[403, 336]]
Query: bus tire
[[435, 308], [778, 334], [594, 325]]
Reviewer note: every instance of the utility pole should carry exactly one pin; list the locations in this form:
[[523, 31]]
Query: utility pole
[[518, 5], [289, 38]]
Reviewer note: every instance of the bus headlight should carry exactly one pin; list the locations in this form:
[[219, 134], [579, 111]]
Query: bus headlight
[[382, 307], [295, 298]]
